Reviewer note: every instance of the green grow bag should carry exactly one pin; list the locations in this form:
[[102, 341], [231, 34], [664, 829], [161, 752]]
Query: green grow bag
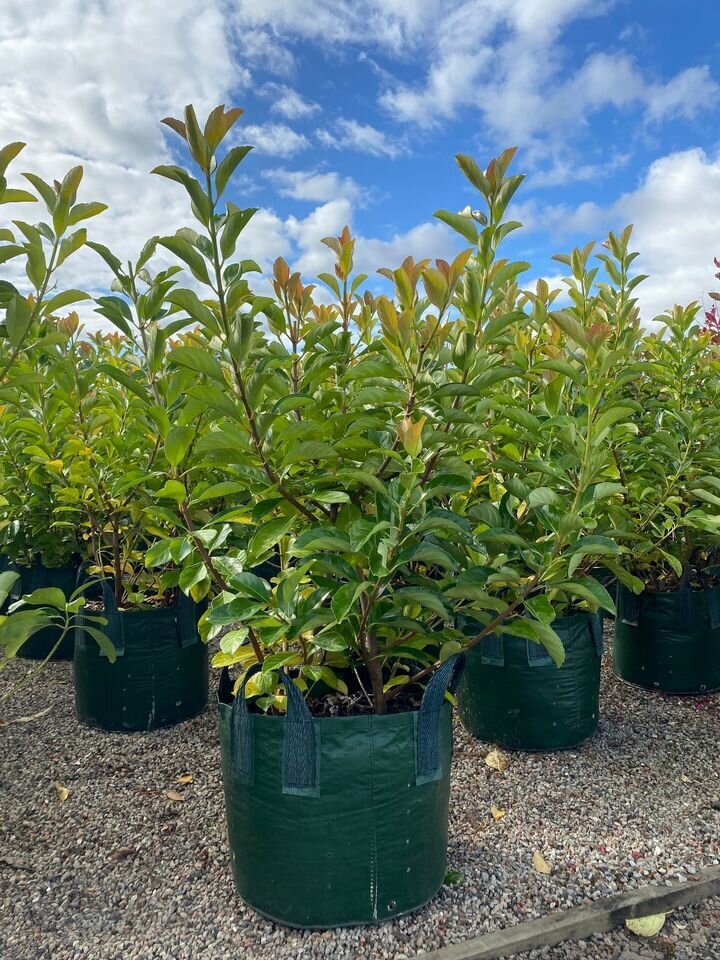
[[512, 693], [160, 676], [39, 645], [337, 821], [669, 641]]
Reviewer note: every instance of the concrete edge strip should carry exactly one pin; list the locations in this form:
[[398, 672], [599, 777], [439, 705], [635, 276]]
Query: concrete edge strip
[[580, 922]]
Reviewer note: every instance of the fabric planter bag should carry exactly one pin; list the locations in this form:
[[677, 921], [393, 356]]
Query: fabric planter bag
[[160, 676], [512, 693], [337, 821], [39, 645], [669, 641]]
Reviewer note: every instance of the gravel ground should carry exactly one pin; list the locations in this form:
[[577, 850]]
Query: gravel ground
[[120, 870]]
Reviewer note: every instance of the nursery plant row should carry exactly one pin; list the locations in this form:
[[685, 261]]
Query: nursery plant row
[[353, 496]]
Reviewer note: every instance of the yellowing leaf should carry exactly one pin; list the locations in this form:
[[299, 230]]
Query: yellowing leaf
[[185, 778], [174, 795], [496, 812], [646, 926], [410, 435], [62, 792], [496, 760], [540, 863]]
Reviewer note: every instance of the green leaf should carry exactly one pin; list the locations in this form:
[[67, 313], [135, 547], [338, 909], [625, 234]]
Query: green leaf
[[177, 444], [189, 255], [8, 579], [345, 598], [539, 632], [309, 450], [431, 601], [201, 361], [17, 320], [267, 536], [463, 225], [172, 490], [248, 585], [64, 299], [46, 597], [102, 640], [541, 497], [591, 590], [320, 539], [223, 489], [227, 167]]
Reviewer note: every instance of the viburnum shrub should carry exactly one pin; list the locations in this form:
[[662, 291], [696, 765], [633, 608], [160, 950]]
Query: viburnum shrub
[[670, 464], [37, 525], [353, 432], [129, 429], [34, 337]]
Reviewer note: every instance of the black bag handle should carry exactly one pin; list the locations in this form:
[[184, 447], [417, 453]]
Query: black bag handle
[[115, 626], [712, 599], [628, 605], [428, 723], [596, 631]]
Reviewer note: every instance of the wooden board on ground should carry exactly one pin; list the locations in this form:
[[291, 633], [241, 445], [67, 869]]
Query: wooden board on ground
[[580, 922]]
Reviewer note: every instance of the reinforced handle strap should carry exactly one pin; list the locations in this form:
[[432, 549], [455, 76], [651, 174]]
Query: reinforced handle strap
[[628, 605], [712, 600], [428, 722], [115, 627], [301, 738]]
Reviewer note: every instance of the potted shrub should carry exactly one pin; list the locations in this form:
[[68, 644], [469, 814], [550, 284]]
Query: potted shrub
[[668, 637], [347, 424], [123, 445], [549, 475], [36, 541]]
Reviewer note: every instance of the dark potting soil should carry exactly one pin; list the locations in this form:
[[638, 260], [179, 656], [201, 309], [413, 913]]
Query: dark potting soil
[[659, 578], [154, 603], [357, 705]]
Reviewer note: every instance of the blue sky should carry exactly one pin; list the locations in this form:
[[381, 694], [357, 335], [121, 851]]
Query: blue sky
[[357, 108]]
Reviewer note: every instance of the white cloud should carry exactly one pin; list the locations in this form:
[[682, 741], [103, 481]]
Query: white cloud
[[393, 24], [351, 135], [277, 139], [313, 185], [686, 95], [263, 49], [288, 102], [507, 62], [675, 211], [79, 88]]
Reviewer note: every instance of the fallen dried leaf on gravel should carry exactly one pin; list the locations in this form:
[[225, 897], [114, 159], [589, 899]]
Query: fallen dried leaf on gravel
[[62, 792], [497, 761], [646, 926], [540, 863]]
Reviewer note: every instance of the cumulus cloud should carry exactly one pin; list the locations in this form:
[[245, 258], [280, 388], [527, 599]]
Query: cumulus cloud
[[288, 102], [351, 135], [675, 211], [313, 185], [507, 62], [276, 139]]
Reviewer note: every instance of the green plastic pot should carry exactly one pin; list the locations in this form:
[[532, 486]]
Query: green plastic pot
[[39, 645], [669, 641], [512, 693], [160, 676], [337, 821]]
